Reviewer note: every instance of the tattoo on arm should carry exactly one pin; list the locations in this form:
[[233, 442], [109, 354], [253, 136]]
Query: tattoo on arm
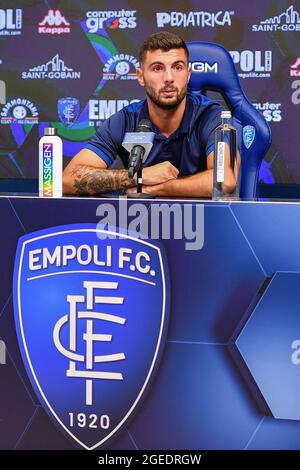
[[88, 180]]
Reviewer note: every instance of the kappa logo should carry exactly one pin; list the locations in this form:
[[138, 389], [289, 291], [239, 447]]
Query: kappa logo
[[54, 23], [91, 317], [295, 68]]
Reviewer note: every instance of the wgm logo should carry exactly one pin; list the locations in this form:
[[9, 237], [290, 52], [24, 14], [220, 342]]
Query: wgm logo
[[270, 111], [120, 66], [289, 20], [112, 19], [248, 136], [54, 23], [204, 67], [201, 19], [54, 69], [295, 68], [253, 64], [91, 317], [10, 22], [68, 110], [19, 110], [104, 109]]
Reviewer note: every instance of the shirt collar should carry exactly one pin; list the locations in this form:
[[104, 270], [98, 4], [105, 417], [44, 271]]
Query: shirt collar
[[185, 123]]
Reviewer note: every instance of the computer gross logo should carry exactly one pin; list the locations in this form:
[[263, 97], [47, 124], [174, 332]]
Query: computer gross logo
[[91, 313], [111, 19], [271, 111]]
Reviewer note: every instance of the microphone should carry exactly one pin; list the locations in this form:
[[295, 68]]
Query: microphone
[[139, 145]]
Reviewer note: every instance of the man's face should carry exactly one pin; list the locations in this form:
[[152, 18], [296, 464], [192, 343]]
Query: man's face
[[165, 76]]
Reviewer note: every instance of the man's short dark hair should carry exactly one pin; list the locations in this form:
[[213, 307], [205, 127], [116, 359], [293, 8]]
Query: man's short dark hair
[[164, 41]]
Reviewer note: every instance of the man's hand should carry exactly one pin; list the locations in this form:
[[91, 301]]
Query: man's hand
[[159, 173], [154, 189]]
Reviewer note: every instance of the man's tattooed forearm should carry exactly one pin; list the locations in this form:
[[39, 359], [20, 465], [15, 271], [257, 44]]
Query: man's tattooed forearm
[[89, 180]]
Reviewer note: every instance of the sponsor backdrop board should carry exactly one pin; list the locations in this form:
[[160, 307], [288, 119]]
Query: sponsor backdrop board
[[104, 342], [72, 64]]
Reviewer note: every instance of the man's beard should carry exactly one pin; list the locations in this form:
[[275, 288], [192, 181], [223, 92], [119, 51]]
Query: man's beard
[[166, 103]]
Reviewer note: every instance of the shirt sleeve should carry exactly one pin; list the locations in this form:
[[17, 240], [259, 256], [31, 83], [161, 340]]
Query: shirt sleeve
[[211, 122], [108, 138]]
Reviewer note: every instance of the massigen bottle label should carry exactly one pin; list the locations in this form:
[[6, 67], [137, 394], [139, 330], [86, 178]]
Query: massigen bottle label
[[48, 170]]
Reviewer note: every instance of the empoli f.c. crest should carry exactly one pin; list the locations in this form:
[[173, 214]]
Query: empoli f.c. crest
[[91, 316]]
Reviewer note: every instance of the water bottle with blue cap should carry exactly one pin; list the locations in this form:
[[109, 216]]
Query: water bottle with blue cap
[[226, 160]]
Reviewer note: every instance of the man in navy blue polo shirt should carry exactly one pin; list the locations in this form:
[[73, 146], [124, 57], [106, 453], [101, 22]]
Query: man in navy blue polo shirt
[[181, 160]]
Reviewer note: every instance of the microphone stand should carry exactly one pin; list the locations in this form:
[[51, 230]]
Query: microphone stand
[[139, 194]]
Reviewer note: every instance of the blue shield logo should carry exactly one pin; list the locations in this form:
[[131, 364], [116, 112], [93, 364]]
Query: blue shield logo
[[248, 136], [68, 110], [91, 316]]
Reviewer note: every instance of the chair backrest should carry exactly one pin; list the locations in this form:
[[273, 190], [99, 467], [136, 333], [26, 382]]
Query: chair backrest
[[213, 69]]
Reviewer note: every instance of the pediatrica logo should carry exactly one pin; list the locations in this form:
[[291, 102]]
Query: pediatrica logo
[[91, 316]]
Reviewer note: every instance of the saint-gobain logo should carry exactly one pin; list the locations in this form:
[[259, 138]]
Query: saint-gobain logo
[[93, 351]]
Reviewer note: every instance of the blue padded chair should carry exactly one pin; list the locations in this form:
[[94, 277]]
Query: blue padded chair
[[213, 69]]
